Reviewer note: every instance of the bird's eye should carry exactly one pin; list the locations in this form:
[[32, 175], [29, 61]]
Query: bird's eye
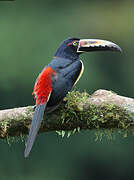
[[74, 43]]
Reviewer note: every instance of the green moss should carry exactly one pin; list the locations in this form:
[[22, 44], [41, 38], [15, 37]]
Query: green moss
[[75, 114], [25, 116], [16, 139], [29, 109], [4, 125], [94, 117], [3, 128]]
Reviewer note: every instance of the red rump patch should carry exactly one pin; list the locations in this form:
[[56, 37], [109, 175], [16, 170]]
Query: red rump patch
[[43, 85]]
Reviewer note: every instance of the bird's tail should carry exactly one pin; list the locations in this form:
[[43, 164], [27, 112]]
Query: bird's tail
[[36, 122]]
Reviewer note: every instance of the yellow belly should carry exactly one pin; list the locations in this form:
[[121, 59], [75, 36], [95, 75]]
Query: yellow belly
[[81, 72]]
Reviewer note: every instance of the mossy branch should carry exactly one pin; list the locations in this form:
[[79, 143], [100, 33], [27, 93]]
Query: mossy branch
[[103, 109]]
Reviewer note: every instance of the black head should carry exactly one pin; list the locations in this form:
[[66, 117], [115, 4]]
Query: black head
[[71, 48], [68, 49]]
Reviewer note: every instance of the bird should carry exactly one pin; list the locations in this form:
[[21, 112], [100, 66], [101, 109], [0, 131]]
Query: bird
[[59, 77]]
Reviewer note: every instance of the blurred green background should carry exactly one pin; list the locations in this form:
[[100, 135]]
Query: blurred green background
[[30, 32]]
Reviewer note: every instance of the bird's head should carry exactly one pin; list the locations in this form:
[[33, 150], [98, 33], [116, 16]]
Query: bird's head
[[71, 48]]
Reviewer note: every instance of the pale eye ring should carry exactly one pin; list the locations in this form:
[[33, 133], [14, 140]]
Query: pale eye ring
[[74, 43]]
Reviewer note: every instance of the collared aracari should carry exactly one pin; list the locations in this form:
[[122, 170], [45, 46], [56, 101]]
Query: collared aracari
[[59, 76]]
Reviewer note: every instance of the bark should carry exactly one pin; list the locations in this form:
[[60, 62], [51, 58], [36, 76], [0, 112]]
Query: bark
[[103, 109]]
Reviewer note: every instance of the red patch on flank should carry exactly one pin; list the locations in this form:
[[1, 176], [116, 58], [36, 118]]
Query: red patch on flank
[[43, 85]]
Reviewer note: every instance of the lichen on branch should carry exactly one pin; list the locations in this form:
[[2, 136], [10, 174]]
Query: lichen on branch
[[103, 109]]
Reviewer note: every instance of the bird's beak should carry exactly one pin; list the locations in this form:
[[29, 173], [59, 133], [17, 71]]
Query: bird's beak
[[86, 45]]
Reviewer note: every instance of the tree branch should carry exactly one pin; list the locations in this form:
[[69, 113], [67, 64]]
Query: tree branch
[[103, 109]]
